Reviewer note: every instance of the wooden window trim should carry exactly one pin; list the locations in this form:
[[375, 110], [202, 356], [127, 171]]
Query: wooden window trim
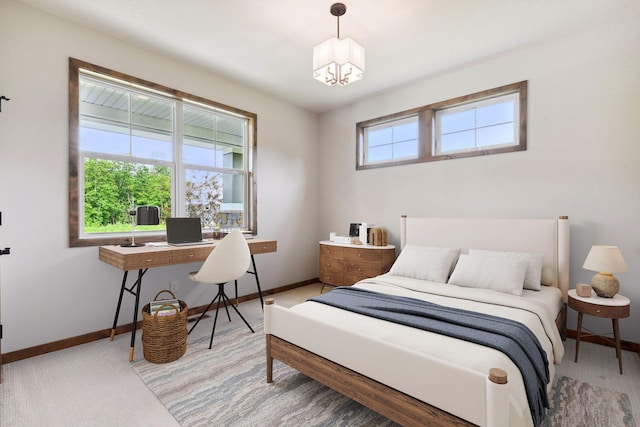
[[74, 144], [426, 115]]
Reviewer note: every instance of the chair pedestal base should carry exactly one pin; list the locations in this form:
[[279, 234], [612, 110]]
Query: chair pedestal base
[[221, 297]]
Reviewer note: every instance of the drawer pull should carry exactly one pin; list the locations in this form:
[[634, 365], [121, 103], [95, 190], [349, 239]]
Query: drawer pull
[[598, 311], [150, 260], [191, 255]]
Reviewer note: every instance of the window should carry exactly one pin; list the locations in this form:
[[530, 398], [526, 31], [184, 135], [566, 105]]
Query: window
[[391, 141], [488, 122], [133, 142]]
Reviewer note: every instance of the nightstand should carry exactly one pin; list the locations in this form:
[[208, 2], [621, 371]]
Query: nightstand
[[345, 264], [614, 308]]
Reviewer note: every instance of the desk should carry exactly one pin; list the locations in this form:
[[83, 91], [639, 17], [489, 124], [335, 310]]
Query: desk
[[145, 257]]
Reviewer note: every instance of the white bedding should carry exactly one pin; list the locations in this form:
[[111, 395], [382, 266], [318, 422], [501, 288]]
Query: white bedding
[[536, 309]]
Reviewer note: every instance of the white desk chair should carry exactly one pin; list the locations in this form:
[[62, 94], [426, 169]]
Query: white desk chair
[[228, 261]]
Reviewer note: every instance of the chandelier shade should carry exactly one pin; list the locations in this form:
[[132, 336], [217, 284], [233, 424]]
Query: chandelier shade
[[337, 61]]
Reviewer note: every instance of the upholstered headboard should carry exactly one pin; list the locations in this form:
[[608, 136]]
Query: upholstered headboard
[[546, 236]]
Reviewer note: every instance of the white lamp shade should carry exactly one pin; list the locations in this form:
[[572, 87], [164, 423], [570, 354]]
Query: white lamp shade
[[606, 259], [338, 61]]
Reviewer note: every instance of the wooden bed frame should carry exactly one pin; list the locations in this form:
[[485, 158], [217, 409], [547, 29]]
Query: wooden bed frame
[[389, 402]]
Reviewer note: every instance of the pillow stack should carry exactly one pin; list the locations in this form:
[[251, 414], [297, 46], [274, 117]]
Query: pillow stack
[[425, 263], [508, 272]]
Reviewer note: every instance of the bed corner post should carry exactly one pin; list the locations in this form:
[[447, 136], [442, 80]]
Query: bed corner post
[[563, 255], [403, 231], [268, 304], [497, 398]]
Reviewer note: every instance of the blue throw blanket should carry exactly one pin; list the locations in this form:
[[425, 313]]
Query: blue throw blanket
[[510, 337]]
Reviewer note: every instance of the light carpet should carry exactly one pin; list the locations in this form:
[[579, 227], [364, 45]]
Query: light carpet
[[227, 386]]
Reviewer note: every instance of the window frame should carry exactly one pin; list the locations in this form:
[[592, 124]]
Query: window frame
[[76, 237], [426, 128], [476, 105], [366, 148]]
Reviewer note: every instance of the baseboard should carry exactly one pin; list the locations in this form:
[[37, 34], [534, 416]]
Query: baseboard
[[37, 350]]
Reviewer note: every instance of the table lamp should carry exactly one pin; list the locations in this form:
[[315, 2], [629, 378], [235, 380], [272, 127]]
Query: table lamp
[[605, 260], [145, 215]]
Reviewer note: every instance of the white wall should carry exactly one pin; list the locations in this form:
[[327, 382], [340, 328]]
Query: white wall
[[51, 292], [582, 160]]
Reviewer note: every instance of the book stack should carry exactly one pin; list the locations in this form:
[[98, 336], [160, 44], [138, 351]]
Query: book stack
[[166, 307], [378, 236]]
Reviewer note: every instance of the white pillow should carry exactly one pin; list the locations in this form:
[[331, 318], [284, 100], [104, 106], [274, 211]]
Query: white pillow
[[534, 271], [425, 263], [548, 277], [501, 274]]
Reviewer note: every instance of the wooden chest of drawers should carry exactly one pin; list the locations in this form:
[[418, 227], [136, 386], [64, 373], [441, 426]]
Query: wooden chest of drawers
[[344, 265]]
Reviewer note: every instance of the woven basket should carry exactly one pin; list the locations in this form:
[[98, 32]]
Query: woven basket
[[164, 338]]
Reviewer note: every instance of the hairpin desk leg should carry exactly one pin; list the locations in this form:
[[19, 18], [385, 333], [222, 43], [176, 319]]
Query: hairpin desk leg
[[236, 301], [135, 313], [135, 291], [115, 319], [255, 273]]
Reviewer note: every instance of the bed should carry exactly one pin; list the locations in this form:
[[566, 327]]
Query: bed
[[418, 377]]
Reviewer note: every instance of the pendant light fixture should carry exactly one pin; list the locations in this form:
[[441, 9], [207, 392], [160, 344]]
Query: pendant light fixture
[[338, 61]]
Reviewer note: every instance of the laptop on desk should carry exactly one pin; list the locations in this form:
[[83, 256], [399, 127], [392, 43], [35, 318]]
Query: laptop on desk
[[185, 232]]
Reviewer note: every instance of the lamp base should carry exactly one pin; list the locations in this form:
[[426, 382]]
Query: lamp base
[[605, 285], [131, 245]]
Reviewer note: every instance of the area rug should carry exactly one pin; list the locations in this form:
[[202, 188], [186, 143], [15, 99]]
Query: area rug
[[226, 386], [575, 403]]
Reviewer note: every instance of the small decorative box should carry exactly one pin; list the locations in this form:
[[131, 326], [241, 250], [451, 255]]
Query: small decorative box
[[583, 290]]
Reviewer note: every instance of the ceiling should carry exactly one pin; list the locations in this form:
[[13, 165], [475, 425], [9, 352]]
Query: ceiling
[[267, 44]]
